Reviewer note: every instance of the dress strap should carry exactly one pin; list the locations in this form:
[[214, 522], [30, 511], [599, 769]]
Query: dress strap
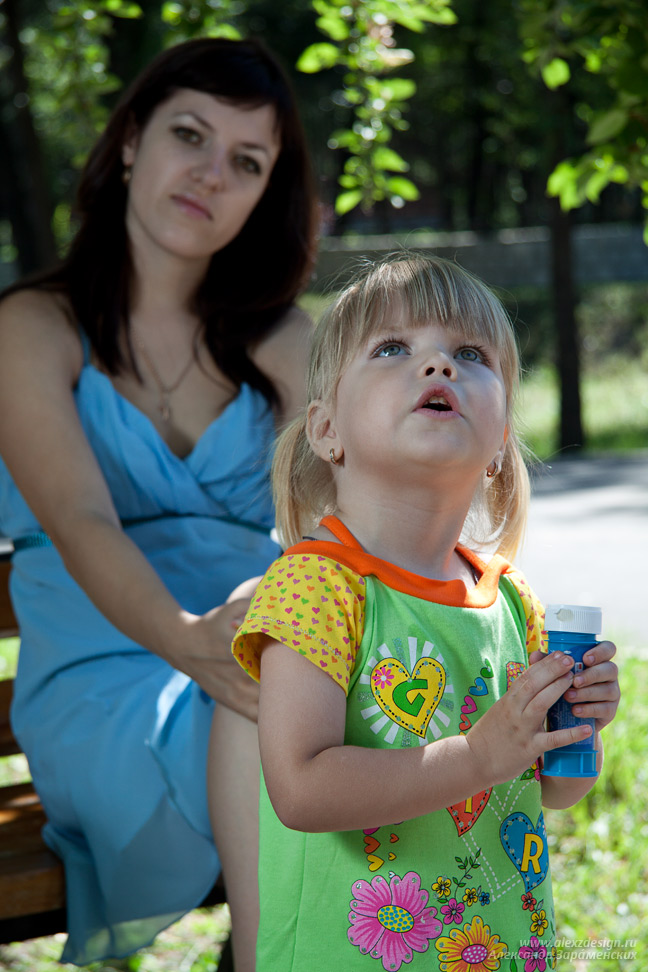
[[85, 346]]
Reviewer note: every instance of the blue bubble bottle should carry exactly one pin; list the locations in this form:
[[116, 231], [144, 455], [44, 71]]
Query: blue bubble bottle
[[571, 629]]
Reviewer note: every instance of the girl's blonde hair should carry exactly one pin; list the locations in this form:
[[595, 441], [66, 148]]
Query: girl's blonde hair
[[430, 289]]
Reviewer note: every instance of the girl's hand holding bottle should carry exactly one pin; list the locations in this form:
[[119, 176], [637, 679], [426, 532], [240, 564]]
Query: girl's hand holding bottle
[[595, 691], [511, 735]]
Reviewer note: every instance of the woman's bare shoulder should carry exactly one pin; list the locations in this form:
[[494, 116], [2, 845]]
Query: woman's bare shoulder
[[40, 323], [35, 304]]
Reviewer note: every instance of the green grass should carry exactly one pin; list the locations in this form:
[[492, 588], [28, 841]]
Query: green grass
[[614, 405]]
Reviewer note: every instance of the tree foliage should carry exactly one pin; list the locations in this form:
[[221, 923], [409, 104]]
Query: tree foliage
[[472, 150], [362, 43], [608, 39]]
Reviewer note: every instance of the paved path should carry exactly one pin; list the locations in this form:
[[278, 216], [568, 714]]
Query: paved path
[[587, 541]]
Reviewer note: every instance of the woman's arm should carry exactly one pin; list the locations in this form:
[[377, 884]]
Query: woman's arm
[[318, 784], [283, 357], [47, 453]]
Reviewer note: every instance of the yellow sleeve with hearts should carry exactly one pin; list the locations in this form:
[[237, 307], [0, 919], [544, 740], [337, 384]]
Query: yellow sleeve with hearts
[[311, 604]]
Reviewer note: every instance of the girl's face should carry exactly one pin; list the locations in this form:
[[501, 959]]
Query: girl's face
[[417, 395], [199, 167]]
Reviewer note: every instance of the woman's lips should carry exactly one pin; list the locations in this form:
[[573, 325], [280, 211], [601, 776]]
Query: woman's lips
[[192, 207]]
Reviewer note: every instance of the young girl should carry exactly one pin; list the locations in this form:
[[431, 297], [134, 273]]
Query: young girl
[[400, 723]]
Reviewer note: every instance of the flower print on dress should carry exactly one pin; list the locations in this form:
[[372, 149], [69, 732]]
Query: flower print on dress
[[390, 920], [383, 676], [453, 911], [535, 956], [442, 887], [472, 948], [528, 901], [539, 922], [471, 896]]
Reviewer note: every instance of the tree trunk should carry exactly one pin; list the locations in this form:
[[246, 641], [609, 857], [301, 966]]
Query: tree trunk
[[27, 202], [571, 435], [568, 348]]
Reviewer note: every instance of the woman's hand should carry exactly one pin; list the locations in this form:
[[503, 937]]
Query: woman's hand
[[206, 656]]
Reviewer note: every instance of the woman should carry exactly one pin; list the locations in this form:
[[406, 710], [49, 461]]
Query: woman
[[141, 384]]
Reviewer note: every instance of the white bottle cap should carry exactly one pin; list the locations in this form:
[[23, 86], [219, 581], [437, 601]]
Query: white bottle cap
[[573, 617]]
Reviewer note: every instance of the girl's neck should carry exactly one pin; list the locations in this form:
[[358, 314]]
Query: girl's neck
[[419, 537]]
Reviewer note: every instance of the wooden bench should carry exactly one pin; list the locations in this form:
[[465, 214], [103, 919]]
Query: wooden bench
[[32, 882]]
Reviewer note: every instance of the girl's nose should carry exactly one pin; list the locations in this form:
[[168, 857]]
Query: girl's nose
[[437, 362]]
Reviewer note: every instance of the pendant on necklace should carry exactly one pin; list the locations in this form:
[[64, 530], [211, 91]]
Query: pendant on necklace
[[165, 407]]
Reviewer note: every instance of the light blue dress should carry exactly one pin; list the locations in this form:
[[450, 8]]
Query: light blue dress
[[117, 739]]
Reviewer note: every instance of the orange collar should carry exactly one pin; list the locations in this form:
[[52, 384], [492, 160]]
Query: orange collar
[[451, 593]]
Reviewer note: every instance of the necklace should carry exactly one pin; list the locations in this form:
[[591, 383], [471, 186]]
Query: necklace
[[166, 391]]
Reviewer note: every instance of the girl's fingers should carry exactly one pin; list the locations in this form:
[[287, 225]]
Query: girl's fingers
[[565, 737], [604, 672], [543, 682], [598, 692], [602, 652]]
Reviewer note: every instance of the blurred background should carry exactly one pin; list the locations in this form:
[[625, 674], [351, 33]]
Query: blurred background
[[511, 136]]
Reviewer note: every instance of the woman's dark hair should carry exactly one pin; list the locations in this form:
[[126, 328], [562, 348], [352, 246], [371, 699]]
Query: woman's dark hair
[[252, 281]]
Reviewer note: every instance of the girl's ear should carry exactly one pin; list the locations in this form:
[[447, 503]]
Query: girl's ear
[[320, 430]]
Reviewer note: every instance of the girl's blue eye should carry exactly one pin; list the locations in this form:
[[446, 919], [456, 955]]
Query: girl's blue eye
[[388, 350], [470, 354]]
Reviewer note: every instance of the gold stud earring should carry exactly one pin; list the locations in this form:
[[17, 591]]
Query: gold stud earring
[[127, 174]]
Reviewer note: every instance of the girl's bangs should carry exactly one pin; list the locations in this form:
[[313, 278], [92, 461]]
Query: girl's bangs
[[430, 291]]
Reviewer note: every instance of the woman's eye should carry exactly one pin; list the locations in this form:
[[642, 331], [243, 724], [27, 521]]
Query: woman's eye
[[188, 135], [388, 350], [248, 164]]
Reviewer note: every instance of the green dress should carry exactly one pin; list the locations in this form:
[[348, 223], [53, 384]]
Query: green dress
[[463, 889]]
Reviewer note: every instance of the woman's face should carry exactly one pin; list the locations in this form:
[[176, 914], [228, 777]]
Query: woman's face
[[198, 169]]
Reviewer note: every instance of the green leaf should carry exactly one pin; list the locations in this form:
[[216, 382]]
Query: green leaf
[[227, 31], [334, 26], [607, 125], [556, 73], [347, 201], [118, 8], [386, 159], [397, 89], [171, 12], [403, 187], [317, 57]]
